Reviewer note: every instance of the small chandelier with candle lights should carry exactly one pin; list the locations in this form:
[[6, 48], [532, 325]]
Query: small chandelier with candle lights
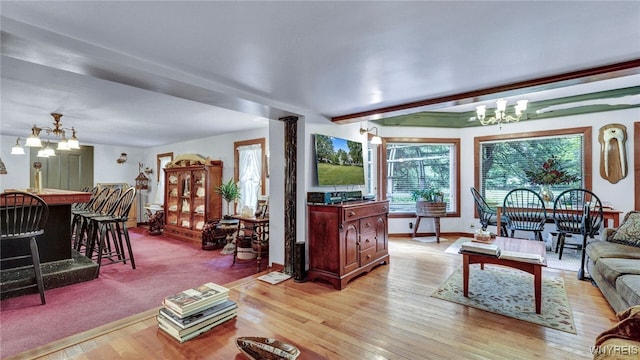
[[57, 130], [501, 116]]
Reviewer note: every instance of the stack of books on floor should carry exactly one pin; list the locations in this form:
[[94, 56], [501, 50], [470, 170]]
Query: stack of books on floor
[[195, 311]]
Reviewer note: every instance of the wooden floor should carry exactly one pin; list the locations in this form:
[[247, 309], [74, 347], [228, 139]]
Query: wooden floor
[[386, 314]]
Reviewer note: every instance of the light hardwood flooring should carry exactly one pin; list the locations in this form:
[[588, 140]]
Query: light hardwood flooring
[[386, 314]]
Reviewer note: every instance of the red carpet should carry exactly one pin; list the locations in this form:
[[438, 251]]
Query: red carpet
[[163, 266]]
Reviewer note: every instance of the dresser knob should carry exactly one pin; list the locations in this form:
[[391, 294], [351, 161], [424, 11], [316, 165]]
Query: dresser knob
[[384, 208], [351, 213], [367, 225]]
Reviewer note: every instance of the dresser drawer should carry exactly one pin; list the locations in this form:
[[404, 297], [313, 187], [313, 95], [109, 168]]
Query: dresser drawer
[[367, 256], [367, 240], [368, 224], [358, 212]]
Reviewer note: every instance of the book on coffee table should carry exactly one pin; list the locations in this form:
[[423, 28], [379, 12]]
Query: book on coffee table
[[480, 248], [521, 256]]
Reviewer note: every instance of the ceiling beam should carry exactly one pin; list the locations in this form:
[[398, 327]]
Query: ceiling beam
[[599, 73]]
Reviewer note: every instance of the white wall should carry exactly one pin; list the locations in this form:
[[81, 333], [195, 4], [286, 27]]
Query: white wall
[[219, 147]]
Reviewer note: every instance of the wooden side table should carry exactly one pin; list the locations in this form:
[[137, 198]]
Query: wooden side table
[[436, 220], [257, 229]]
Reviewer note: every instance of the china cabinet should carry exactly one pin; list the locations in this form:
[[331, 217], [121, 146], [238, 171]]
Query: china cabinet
[[190, 198]]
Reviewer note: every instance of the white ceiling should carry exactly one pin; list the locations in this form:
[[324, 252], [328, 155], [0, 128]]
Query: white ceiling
[[158, 72]]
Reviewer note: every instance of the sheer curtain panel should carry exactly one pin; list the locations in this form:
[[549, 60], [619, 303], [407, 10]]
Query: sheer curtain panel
[[250, 175]]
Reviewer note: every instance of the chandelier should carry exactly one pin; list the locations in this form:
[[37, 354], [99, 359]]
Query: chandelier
[[501, 116], [57, 130]]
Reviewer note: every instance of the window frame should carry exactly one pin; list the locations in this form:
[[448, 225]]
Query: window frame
[[382, 170], [586, 132]]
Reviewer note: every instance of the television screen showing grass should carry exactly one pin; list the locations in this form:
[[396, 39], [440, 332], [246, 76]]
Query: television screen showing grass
[[338, 161]]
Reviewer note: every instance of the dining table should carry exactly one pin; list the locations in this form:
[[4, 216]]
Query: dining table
[[610, 217]]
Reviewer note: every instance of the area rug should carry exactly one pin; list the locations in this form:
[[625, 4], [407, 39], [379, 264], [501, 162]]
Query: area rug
[[570, 258], [428, 239], [509, 292], [164, 266]]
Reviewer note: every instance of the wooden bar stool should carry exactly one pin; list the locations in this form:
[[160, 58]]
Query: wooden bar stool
[[23, 216]]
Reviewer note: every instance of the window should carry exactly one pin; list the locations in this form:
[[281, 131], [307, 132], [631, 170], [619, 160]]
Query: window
[[501, 162], [421, 163], [250, 172]]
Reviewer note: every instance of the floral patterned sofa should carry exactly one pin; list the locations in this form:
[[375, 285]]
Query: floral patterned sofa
[[614, 263]]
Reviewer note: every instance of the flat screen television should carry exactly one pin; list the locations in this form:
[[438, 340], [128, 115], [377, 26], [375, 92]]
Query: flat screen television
[[338, 161]]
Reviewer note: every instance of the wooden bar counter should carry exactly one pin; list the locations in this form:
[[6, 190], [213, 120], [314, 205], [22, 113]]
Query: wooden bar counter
[[55, 243]]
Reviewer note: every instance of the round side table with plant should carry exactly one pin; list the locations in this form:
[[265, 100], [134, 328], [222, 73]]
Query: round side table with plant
[[429, 203]]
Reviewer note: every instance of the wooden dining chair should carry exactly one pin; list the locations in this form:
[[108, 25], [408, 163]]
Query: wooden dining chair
[[576, 212], [525, 211], [488, 215], [23, 217]]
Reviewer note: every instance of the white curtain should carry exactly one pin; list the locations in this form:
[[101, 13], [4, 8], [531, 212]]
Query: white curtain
[[250, 175]]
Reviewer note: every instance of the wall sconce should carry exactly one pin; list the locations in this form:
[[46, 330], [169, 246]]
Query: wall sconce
[[3, 169], [148, 170], [375, 140], [122, 159]]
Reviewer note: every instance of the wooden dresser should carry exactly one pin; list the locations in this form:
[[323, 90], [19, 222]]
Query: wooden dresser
[[346, 240]]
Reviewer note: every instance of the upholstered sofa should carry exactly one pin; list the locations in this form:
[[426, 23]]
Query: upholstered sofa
[[614, 263]]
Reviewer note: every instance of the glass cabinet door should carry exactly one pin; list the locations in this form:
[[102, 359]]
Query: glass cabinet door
[[172, 198], [198, 198], [184, 205]]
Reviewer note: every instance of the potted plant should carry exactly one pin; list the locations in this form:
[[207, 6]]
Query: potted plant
[[550, 174], [230, 193], [429, 202]]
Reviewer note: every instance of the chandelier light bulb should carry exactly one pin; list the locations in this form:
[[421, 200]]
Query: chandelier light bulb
[[17, 149], [34, 139], [49, 151], [73, 143], [481, 111], [63, 145]]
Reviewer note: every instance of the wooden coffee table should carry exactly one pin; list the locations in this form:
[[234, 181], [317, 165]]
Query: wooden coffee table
[[519, 245]]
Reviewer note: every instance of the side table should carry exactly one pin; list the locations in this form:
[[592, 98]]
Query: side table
[[256, 229], [436, 220]]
